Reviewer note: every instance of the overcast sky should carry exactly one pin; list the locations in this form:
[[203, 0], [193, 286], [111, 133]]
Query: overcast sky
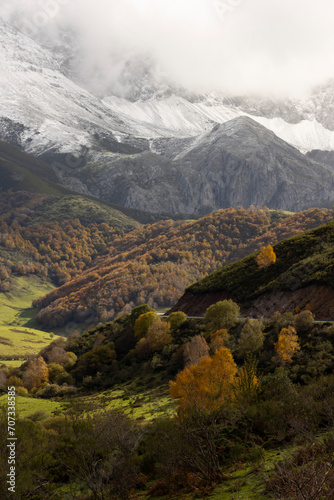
[[238, 46]]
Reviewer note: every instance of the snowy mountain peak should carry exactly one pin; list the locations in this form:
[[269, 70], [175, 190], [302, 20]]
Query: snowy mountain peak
[[44, 110]]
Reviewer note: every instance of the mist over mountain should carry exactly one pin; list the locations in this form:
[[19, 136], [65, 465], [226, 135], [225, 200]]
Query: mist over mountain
[[237, 47], [115, 121]]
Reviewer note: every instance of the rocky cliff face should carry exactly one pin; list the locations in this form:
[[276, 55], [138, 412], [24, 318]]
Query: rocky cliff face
[[324, 157], [237, 163]]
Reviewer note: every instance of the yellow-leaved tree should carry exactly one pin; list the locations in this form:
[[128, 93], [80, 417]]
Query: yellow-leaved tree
[[266, 257], [204, 387], [287, 344]]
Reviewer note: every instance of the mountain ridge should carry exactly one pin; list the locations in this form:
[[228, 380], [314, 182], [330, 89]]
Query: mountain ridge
[[151, 151], [236, 163], [171, 111]]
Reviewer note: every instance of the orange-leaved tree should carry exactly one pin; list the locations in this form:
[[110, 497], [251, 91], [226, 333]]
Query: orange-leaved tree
[[287, 344], [158, 335], [266, 257], [206, 386], [218, 340], [36, 373]]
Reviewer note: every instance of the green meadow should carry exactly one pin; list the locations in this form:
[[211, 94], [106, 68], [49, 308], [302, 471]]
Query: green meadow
[[27, 406], [241, 481], [18, 337], [16, 306], [142, 405], [11, 363], [20, 342]]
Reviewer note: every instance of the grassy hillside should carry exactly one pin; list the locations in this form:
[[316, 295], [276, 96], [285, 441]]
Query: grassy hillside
[[17, 178], [20, 343], [18, 338], [88, 211], [132, 398], [302, 260], [16, 306], [27, 406], [41, 206], [20, 171]]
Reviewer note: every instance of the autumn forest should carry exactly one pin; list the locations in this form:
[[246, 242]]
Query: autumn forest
[[149, 403], [102, 269]]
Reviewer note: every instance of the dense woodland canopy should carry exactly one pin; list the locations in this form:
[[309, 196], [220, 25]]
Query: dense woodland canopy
[[154, 264], [55, 249], [105, 268]]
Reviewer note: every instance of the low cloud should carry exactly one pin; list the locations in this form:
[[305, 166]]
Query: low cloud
[[235, 46]]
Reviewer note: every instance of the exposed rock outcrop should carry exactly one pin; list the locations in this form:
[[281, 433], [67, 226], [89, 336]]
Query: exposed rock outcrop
[[320, 299]]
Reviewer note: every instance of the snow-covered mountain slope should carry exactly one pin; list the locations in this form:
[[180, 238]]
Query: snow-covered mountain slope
[[175, 116], [43, 110], [52, 111], [306, 135]]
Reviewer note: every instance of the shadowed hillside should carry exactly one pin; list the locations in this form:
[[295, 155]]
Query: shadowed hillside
[[302, 275]]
